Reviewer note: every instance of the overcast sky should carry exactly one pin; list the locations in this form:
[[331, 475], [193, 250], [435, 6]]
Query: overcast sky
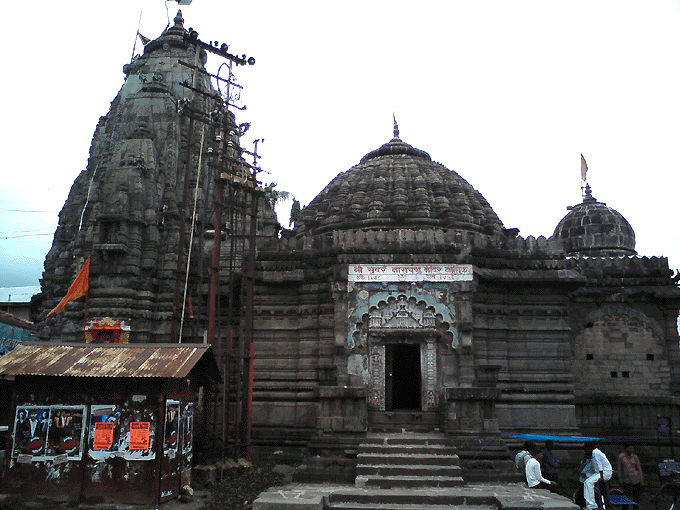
[[506, 93]]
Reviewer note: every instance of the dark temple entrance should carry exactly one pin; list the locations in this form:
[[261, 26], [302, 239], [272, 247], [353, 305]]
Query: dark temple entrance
[[402, 377]]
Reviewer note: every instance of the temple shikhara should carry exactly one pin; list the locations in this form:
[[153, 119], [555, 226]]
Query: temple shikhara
[[398, 301]]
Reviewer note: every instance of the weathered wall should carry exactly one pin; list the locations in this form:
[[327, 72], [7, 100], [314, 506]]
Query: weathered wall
[[43, 462], [621, 353]]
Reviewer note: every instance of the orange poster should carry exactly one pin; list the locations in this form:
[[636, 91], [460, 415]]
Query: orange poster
[[103, 435], [139, 435]]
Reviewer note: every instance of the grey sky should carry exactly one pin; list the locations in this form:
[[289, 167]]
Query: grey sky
[[507, 94]]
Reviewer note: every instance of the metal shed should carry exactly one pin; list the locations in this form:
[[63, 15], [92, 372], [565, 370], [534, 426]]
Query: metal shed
[[104, 423]]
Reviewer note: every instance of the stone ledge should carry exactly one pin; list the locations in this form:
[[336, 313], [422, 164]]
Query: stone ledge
[[289, 500]]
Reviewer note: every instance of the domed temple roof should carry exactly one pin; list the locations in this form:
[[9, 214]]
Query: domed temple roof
[[398, 186], [592, 228]]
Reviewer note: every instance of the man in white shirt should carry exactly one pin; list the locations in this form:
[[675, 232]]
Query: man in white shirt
[[603, 471], [524, 455], [535, 480]]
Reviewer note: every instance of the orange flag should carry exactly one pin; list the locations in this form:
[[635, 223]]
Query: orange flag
[[584, 168], [78, 288], [145, 40]]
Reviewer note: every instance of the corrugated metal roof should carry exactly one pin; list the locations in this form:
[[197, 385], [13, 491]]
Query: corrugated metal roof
[[107, 360]]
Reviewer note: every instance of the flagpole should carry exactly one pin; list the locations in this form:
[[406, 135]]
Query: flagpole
[[139, 24], [87, 293]]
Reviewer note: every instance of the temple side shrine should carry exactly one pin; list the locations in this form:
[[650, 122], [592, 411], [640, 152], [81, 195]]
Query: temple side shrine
[[399, 300]]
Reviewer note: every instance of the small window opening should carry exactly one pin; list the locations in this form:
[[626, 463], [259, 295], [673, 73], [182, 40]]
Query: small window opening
[[589, 357], [614, 375], [625, 375], [650, 357]]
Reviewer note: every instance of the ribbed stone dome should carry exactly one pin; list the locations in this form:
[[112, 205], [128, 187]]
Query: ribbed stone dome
[[592, 228], [398, 186]]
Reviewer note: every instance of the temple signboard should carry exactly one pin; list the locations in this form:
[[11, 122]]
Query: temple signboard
[[410, 273]]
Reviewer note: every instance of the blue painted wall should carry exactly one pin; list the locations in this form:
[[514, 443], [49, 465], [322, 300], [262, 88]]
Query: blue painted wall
[[10, 336]]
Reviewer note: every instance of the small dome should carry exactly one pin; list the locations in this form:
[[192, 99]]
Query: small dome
[[398, 186], [592, 228]]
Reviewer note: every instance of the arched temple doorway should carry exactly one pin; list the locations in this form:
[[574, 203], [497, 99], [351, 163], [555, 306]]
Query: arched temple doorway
[[403, 367]]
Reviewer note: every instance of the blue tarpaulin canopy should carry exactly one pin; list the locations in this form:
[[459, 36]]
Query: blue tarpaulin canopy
[[544, 437]]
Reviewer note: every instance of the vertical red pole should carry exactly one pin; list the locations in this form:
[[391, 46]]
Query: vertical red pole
[[248, 349], [249, 403], [217, 236]]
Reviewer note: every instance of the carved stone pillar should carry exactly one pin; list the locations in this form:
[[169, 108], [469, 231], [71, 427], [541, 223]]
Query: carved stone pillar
[[428, 370], [376, 373]]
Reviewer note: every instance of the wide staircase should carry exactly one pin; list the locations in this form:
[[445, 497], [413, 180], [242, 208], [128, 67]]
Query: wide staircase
[[388, 460], [411, 471], [405, 471]]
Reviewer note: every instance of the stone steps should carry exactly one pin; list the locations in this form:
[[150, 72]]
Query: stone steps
[[475, 496], [410, 449], [392, 481], [411, 471], [405, 499], [407, 460], [416, 506]]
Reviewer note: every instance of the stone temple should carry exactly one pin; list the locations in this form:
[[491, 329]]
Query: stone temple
[[399, 301]]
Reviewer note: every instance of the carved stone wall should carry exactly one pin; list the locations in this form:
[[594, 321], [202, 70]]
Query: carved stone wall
[[126, 210]]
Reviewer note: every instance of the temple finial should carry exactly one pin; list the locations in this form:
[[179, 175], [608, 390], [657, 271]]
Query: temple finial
[[588, 195], [179, 20], [396, 127]]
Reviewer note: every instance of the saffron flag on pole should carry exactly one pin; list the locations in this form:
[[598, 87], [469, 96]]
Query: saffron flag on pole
[[78, 288], [145, 40], [584, 168]]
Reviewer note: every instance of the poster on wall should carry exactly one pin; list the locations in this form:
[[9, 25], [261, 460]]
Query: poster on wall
[[139, 435], [30, 432], [48, 433], [66, 434], [126, 432], [171, 428], [105, 436], [187, 442]]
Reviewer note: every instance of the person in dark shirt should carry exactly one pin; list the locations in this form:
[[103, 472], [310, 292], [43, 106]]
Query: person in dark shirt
[[550, 466]]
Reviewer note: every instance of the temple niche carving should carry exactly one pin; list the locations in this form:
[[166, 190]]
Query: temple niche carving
[[394, 315], [399, 300]]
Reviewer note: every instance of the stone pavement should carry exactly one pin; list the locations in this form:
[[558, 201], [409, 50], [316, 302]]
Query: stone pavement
[[503, 496], [195, 502]]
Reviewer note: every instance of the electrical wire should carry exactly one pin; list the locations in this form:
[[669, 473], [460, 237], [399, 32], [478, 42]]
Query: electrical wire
[[191, 237], [87, 200], [28, 210], [28, 235]]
